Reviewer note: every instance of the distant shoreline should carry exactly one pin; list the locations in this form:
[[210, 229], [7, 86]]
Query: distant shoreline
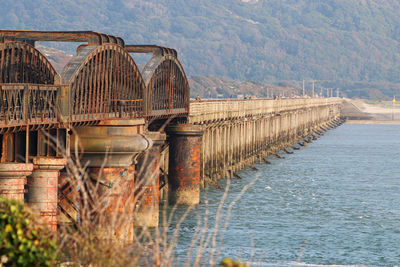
[[373, 122]]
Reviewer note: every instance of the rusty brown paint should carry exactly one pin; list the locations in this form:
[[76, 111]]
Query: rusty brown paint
[[117, 200], [155, 49], [167, 87], [147, 188], [60, 36], [22, 63], [122, 180], [184, 165], [29, 105], [109, 151], [8, 146], [97, 84], [67, 200], [101, 82]]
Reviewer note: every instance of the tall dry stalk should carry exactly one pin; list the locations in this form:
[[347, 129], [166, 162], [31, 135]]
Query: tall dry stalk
[[90, 240]]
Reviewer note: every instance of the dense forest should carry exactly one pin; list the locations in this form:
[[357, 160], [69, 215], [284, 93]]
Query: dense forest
[[351, 44]]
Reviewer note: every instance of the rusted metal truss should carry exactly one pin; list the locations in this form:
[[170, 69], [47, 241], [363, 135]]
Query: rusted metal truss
[[101, 82], [167, 87], [92, 38], [22, 63], [155, 49], [27, 104]]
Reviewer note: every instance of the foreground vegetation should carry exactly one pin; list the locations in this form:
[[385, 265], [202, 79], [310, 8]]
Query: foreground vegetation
[[24, 240], [90, 239]]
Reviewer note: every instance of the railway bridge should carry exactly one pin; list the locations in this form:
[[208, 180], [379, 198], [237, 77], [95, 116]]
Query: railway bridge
[[112, 129]]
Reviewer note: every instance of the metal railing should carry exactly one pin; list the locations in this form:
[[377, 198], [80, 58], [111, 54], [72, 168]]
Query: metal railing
[[215, 110], [28, 104]]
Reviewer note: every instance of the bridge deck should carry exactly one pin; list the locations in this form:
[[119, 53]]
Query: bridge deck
[[218, 110]]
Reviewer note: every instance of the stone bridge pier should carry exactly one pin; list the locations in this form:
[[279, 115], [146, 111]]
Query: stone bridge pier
[[29, 170], [42, 194]]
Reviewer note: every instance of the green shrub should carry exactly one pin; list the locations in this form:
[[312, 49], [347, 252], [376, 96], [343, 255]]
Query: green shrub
[[24, 240], [227, 262]]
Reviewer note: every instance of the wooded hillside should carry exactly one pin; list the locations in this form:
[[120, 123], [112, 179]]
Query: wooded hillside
[[333, 41]]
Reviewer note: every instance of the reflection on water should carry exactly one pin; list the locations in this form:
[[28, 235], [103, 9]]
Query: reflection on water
[[334, 202]]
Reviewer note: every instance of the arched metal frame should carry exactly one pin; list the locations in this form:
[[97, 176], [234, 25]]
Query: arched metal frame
[[167, 87], [104, 82], [27, 90], [22, 63], [101, 82]]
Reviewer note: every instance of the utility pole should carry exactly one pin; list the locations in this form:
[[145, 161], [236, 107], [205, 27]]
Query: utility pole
[[313, 89], [303, 89]]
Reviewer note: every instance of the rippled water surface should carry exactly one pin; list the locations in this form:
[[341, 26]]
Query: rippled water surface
[[334, 202]]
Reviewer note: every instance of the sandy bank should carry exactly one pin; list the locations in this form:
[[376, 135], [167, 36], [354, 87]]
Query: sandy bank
[[372, 122], [378, 113]]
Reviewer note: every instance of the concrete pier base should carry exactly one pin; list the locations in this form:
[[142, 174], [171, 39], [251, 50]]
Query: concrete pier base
[[184, 165], [43, 187], [13, 179]]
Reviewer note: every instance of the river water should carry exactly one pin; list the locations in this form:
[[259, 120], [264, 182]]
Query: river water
[[334, 202]]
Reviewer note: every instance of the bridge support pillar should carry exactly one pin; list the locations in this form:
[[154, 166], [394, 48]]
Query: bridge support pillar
[[115, 191], [13, 179], [147, 183], [110, 151], [43, 186], [184, 163]]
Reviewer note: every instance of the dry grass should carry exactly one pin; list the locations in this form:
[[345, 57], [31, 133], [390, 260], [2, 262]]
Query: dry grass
[[91, 239]]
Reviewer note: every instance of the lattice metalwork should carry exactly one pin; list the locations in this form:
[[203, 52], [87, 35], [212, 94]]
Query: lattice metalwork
[[22, 63], [105, 83], [28, 105], [12, 105], [42, 107]]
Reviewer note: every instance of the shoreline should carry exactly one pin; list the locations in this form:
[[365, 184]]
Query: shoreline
[[372, 122]]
